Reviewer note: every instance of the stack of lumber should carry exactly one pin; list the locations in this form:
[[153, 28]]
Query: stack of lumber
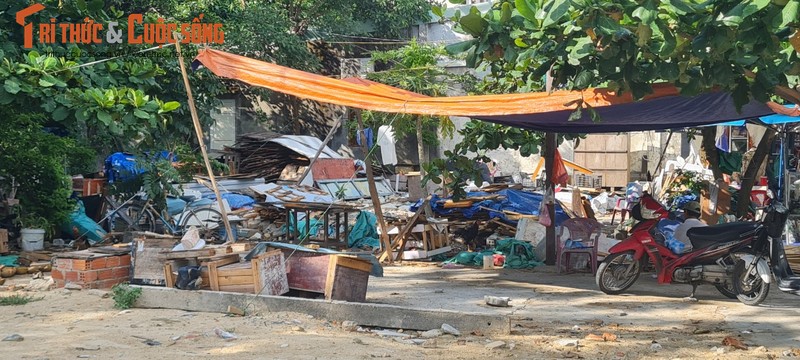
[[259, 157]]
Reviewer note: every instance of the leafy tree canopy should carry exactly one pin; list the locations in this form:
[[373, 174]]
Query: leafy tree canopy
[[738, 46]]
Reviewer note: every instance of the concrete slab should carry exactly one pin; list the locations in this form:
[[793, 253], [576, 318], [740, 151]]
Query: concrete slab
[[366, 314]]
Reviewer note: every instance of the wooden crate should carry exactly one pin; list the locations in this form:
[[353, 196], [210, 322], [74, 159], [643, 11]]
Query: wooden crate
[[148, 256], [265, 274], [337, 277], [347, 279], [4, 241]]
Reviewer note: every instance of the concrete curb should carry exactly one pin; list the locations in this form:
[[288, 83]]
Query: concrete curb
[[365, 314]]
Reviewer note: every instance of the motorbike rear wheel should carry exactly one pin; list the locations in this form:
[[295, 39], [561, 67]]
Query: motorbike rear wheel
[[727, 290], [611, 275], [750, 288]]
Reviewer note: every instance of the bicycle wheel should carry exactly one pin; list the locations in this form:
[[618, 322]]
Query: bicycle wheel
[[131, 218], [208, 222]]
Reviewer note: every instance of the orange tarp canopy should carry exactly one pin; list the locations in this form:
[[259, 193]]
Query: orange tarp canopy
[[368, 95]]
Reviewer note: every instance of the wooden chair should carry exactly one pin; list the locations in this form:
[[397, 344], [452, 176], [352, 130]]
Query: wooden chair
[[581, 230]]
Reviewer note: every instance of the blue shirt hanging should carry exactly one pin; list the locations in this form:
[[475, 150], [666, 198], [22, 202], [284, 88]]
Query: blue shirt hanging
[[368, 134]]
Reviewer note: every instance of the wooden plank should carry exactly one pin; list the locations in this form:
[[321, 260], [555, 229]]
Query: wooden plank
[[221, 260], [247, 289], [4, 241], [225, 271], [399, 240], [186, 254], [269, 273], [236, 280], [169, 277], [212, 276], [147, 261]]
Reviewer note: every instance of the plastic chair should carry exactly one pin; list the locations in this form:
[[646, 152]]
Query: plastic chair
[[622, 208], [582, 232]]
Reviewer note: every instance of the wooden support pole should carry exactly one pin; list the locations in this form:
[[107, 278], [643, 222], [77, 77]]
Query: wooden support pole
[[321, 147], [550, 233], [199, 132], [373, 191]]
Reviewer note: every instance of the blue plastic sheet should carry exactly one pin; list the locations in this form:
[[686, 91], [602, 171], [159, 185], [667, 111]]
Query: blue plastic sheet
[[84, 225], [121, 167], [364, 232], [522, 202], [238, 201]]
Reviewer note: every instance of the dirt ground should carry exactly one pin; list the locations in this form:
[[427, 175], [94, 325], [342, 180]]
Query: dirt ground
[[68, 324]]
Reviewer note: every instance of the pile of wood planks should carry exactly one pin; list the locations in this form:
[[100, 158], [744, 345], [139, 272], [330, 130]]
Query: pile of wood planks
[[258, 156]]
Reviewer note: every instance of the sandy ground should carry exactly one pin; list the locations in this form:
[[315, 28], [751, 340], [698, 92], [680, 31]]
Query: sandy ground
[[69, 324]]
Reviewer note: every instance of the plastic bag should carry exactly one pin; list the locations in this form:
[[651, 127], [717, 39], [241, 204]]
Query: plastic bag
[[544, 213]]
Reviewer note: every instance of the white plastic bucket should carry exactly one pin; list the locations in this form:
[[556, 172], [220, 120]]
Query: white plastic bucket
[[32, 239]]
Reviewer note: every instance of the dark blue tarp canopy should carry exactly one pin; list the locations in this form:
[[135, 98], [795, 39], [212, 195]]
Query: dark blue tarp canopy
[[523, 202], [673, 112]]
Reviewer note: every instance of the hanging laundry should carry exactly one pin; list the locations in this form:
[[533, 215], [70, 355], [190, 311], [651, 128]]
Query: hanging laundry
[[386, 141], [723, 139], [368, 133]]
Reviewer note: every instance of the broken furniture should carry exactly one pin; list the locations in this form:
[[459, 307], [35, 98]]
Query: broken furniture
[[337, 212], [338, 277], [423, 241], [264, 274], [577, 236]]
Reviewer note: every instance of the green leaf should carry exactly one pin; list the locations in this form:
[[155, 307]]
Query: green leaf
[[104, 117], [96, 5], [473, 24], [608, 25], [505, 13], [521, 43], [43, 82], [576, 115], [526, 9], [169, 106], [647, 15], [556, 12], [744, 9], [584, 79], [582, 48], [141, 114], [11, 86], [682, 7], [460, 47], [790, 12], [60, 113], [81, 5], [50, 62], [438, 11], [82, 115]]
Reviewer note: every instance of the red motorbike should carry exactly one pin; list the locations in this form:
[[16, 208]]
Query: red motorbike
[[716, 250]]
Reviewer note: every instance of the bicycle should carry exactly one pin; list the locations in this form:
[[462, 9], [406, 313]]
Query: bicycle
[[143, 216]]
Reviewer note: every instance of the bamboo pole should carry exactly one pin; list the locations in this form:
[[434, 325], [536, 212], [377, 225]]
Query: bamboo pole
[[199, 132], [373, 191]]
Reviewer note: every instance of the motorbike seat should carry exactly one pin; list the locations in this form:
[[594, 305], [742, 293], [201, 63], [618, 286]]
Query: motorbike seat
[[188, 198], [705, 236]]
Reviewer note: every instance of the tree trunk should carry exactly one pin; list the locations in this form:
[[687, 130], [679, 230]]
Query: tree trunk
[[749, 176], [710, 149], [420, 147]]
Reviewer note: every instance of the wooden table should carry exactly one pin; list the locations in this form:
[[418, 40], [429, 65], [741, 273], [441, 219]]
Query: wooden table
[[339, 213]]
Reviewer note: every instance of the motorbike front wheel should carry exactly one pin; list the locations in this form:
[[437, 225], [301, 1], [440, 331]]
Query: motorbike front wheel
[[617, 273], [750, 288]]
